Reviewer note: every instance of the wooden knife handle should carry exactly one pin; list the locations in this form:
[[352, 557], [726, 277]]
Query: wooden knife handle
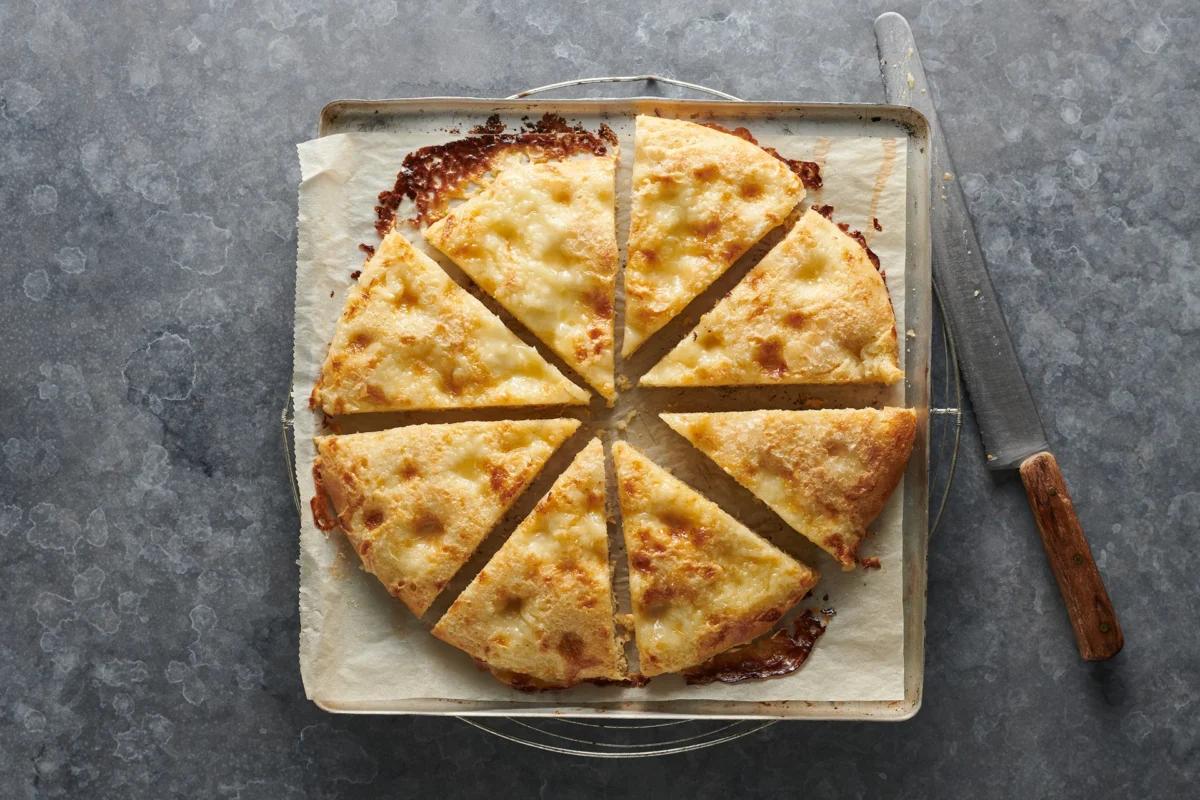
[[1097, 632]]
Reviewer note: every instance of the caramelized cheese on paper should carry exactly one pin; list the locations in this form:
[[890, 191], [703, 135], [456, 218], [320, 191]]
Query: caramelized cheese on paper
[[433, 178], [780, 653]]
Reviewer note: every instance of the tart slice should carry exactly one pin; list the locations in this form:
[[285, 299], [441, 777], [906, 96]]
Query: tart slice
[[701, 582], [814, 310], [701, 198], [828, 473], [416, 501], [540, 614], [411, 338], [541, 239]]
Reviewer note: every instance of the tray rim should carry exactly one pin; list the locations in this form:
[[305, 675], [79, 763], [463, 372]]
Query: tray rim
[[905, 115], [917, 395]]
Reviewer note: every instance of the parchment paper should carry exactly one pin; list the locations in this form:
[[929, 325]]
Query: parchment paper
[[361, 650]]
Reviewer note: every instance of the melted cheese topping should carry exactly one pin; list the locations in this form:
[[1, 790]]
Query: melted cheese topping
[[541, 239], [411, 338], [416, 501], [814, 310], [542, 609], [701, 198], [827, 473], [701, 581]]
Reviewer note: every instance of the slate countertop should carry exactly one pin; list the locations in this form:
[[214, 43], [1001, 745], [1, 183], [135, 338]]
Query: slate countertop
[[147, 535]]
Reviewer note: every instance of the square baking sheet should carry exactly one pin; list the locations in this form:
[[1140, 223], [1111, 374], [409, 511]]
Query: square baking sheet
[[395, 666]]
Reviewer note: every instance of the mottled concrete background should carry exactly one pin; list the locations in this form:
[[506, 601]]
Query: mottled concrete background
[[147, 189]]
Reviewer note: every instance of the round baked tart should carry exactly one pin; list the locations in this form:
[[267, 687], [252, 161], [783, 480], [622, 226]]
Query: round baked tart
[[530, 327]]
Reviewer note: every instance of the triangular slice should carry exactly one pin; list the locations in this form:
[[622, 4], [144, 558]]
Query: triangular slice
[[416, 501], [701, 198], [411, 338], [814, 310], [541, 239], [701, 582], [540, 614], [828, 472]]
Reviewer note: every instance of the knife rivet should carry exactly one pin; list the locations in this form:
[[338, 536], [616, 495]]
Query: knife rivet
[[1104, 628], [1052, 491], [1078, 559]]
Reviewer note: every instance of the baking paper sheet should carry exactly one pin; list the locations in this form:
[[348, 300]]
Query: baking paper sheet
[[361, 650]]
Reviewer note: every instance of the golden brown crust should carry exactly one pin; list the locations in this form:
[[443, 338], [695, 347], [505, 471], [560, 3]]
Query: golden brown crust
[[541, 239], [411, 338], [540, 613], [828, 472], [701, 198], [701, 582], [415, 502], [814, 310]]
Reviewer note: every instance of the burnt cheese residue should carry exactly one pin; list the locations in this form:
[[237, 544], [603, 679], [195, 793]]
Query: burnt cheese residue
[[493, 126], [431, 175], [826, 211], [781, 653], [858, 237], [809, 172], [319, 502]]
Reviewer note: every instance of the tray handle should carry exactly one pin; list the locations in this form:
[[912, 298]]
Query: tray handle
[[625, 79]]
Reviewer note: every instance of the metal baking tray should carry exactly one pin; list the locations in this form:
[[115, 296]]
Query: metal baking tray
[[439, 114]]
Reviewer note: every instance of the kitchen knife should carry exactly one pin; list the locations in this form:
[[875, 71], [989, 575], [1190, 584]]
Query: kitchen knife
[[1008, 420]]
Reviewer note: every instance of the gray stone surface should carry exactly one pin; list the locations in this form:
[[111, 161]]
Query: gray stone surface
[[147, 535]]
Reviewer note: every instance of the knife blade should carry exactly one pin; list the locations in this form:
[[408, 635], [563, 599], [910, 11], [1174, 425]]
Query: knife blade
[[1008, 420]]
